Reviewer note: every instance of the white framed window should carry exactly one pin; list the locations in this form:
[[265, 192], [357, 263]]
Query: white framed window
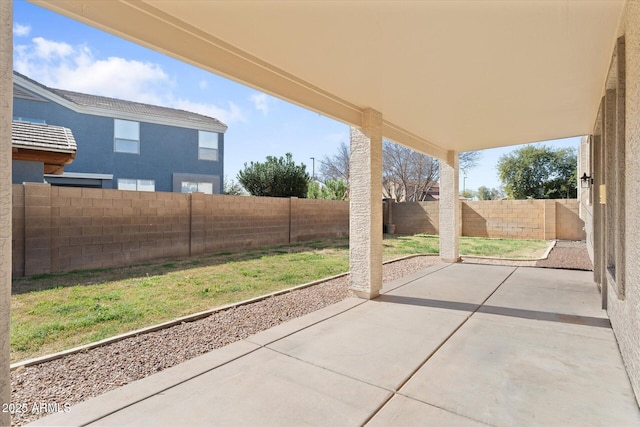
[[126, 136], [136, 184], [207, 145], [199, 187]]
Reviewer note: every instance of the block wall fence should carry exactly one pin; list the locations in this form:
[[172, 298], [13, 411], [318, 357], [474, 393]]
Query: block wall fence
[[514, 219], [58, 229]]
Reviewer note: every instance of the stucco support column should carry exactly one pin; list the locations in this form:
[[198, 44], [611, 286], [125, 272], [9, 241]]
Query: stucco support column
[[450, 218], [6, 113], [365, 203]]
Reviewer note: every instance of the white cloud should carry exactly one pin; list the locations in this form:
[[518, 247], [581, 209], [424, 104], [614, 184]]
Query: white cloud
[[62, 66], [261, 102], [47, 49], [21, 30]]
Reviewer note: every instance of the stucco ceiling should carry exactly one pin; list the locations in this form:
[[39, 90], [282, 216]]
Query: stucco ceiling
[[446, 75]]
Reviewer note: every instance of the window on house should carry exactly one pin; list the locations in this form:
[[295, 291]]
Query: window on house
[[136, 184], [207, 145], [199, 187], [126, 136]]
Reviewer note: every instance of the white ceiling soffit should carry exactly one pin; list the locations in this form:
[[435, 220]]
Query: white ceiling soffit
[[446, 75]]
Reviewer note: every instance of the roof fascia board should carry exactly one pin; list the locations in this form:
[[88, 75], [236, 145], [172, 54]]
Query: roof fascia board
[[105, 112], [78, 175], [42, 148]]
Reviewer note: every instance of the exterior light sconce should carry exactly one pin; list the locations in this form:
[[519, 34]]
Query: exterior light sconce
[[586, 180]]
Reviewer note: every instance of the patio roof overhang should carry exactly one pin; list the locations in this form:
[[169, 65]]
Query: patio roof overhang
[[446, 75]]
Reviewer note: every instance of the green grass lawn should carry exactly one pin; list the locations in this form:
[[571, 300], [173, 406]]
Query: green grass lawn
[[399, 245], [86, 306]]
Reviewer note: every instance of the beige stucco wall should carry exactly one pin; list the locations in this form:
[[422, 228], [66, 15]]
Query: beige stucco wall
[[625, 314]]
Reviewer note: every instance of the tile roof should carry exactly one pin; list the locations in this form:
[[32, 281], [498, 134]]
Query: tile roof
[[114, 104], [135, 107], [42, 137]]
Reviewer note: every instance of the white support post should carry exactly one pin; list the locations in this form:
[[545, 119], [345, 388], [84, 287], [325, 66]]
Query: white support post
[[6, 108], [450, 218], [365, 198]]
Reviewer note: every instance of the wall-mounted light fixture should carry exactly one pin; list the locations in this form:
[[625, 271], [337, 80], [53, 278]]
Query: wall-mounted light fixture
[[586, 180]]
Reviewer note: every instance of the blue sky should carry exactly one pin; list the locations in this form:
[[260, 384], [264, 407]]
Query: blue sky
[[66, 54]]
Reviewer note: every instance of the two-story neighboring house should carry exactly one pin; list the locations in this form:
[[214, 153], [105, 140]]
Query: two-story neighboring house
[[126, 145]]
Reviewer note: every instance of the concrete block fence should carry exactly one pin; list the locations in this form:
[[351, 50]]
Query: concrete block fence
[[58, 229], [514, 219]]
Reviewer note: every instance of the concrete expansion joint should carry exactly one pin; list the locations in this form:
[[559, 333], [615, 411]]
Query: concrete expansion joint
[[435, 406], [331, 370], [424, 362]]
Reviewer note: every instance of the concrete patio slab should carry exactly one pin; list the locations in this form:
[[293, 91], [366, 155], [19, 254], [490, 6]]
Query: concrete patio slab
[[504, 374], [457, 289], [95, 409], [550, 290], [287, 328], [374, 335], [389, 286], [422, 354], [263, 388], [402, 411]]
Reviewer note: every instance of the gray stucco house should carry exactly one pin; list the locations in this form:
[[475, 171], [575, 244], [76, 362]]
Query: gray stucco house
[[122, 144]]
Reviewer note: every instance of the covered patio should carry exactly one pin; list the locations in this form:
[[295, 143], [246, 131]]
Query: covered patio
[[454, 344], [493, 345]]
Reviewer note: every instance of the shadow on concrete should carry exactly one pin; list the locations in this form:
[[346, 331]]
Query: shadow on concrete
[[500, 311]]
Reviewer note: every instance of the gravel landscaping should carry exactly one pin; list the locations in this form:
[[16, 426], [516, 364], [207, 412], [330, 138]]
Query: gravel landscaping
[[77, 377]]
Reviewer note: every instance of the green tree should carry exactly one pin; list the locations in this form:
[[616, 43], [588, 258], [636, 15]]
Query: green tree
[[332, 189], [468, 194], [337, 189], [277, 177], [315, 190], [231, 187], [486, 193], [539, 172]]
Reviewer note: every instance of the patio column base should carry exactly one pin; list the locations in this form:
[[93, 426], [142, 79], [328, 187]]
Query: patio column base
[[365, 206], [366, 294]]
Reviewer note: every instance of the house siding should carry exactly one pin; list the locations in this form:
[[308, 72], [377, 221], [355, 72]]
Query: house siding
[[159, 157], [24, 171], [624, 309]]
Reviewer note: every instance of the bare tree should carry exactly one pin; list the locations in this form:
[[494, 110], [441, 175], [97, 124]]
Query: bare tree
[[406, 174], [469, 159], [336, 166]]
